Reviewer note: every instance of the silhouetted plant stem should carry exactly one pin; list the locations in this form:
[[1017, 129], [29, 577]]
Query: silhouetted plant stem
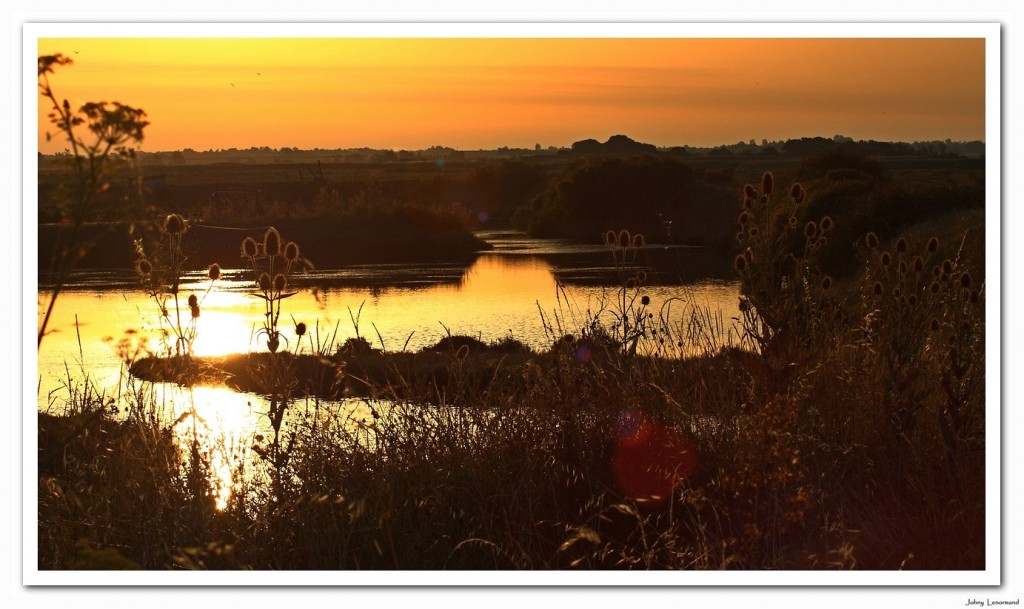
[[114, 125]]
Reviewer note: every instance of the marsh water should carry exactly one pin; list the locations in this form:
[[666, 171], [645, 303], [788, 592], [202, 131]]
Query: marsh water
[[532, 290]]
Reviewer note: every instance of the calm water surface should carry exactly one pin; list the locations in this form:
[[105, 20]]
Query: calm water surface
[[522, 288]]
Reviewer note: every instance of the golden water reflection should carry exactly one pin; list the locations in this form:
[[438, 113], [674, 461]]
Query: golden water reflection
[[496, 297], [223, 425], [96, 333]]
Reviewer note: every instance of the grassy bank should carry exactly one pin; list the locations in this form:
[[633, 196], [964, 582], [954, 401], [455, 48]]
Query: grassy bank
[[398, 235]]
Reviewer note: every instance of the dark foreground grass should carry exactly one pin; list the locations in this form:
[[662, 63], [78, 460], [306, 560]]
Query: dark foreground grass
[[613, 462]]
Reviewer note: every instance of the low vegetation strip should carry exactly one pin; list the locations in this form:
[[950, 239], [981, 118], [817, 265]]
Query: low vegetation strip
[[410, 236], [432, 375]]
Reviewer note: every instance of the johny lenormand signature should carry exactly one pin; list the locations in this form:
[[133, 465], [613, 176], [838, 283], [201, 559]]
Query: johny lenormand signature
[[971, 602]]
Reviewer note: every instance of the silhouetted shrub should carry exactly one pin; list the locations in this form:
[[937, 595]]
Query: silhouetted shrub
[[841, 161], [659, 196]]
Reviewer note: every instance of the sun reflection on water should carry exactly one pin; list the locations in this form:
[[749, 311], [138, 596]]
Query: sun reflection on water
[[99, 332], [222, 423]]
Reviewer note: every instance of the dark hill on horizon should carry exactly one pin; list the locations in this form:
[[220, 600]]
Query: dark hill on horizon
[[616, 145]]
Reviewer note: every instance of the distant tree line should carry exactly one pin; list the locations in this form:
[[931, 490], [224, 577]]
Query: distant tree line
[[676, 200], [616, 145], [672, 196]]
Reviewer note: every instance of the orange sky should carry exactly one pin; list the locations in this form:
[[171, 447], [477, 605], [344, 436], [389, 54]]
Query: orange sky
[[485, 93]]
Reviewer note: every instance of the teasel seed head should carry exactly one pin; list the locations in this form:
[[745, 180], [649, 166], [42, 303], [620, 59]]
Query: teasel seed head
[[871, 240], [741, 236], [901, 245], [935, 325], [886, 259], [933, 245], [810, 230], [877, 288], [264, 282], [965, 280], [935, 287], [754, 232], [826, 282], [144, 267], [300, 329], [826, 224], [645, 300], [793, 221], [918, 264], [749, 192], [280, 282], [903, 267], [625, 238], [912, 300], [272, 242], [214, 272], [947, 267], [249, 248], [740, 263], [975, 297], [639, 240], [743, 219], [767, 183], [291, 252], [174, 224], [764, 199], [610, 238], [796, 192], [748, 254]]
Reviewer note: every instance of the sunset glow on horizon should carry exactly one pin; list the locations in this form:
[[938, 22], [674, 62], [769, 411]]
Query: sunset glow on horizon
[[484, 93]]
